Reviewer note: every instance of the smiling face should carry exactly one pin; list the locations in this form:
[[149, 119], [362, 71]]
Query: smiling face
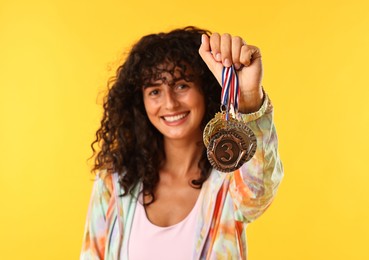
[[175, 105]]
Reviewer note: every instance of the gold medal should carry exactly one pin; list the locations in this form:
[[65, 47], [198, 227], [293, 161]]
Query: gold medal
[[213, 126], [230, 143]]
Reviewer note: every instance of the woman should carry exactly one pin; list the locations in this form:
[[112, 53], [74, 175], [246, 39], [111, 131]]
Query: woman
[[156, 195]]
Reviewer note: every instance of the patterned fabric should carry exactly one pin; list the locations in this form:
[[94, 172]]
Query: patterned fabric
[[230, 202]]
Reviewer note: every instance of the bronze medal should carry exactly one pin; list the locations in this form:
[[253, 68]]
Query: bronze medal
[[230, 143], [231, 146]]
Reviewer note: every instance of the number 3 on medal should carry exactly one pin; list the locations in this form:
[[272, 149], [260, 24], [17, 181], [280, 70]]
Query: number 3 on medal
[[227, 151]]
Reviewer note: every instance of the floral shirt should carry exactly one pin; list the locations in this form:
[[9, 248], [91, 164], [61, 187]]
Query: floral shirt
[[230, 202]]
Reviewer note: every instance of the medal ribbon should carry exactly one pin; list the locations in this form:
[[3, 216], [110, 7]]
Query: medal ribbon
[[230, 89]]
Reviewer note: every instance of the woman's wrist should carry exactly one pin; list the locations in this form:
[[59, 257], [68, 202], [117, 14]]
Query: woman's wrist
[[251, 102]]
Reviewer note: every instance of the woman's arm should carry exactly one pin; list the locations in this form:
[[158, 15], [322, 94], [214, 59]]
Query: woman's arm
[[255, 184]]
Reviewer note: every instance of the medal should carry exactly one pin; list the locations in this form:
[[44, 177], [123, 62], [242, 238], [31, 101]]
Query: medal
[[229, 142]]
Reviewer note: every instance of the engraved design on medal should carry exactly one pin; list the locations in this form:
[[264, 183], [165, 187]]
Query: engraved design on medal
[[231, 147]]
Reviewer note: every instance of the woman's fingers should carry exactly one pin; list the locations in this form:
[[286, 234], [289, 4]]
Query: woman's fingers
[[209, 55], [215, 46], [205, 51], [237, 43], [220, 51], [228, 50], [248, 54]]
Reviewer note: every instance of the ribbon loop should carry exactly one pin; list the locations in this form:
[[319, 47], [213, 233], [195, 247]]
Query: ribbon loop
[[230, 90]]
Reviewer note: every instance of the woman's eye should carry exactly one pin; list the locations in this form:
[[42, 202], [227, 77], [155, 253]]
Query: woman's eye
[[154, 92], [182, 86]]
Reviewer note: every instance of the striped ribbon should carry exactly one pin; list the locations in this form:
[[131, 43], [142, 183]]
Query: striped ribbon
[[230, 89]]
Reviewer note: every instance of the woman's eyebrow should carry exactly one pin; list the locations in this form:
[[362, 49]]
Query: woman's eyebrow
[[163, 80]]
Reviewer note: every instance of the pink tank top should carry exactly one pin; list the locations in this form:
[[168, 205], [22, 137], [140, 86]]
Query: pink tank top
[[148, 241]]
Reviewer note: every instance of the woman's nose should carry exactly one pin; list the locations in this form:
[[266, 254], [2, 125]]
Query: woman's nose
[[171, 101]]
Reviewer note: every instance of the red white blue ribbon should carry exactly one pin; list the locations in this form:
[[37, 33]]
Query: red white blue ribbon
[[230, 89]]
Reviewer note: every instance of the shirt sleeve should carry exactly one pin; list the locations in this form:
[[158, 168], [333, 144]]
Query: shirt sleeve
[[254, 185], [93, 245]]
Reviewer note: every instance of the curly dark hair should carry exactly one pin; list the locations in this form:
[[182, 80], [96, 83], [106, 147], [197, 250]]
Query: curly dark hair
[[128, 143]]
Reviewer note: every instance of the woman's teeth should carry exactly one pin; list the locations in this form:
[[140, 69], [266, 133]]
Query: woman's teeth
[[174, 118]]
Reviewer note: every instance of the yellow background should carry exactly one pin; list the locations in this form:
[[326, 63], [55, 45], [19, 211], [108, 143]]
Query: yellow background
[[55, 60]]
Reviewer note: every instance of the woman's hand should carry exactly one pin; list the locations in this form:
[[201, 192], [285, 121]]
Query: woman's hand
[[225, 50]]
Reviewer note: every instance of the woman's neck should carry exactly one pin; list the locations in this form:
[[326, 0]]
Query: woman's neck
[[182, 157]]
